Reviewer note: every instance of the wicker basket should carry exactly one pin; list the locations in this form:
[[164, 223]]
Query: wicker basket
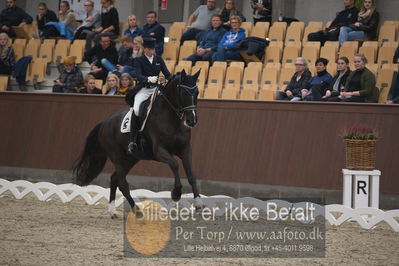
[[360, 154]]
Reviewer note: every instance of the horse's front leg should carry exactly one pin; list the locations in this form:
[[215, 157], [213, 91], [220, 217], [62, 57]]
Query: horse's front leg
[[111, 208], [192, 179], [164, 156]]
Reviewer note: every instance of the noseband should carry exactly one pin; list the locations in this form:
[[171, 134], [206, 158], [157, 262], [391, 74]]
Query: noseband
[[181, 109]]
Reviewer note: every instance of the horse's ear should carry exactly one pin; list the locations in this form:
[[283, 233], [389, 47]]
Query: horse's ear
[[196, 75], [183, 74]]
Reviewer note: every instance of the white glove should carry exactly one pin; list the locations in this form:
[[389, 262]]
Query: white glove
[[152, 79]]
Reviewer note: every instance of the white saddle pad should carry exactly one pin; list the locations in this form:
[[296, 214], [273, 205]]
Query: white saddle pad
[[125, 125]]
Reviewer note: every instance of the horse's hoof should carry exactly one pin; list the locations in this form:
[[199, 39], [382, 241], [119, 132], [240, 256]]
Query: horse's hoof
[[138, 213], [176, 194], [198, 204]]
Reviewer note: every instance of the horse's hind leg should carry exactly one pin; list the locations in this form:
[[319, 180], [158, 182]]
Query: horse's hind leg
[[165, 157], [192, 179], [114, 184]]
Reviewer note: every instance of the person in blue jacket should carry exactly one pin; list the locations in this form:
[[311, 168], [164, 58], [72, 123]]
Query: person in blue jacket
[[227, 48], [133, 29], [319, 82], [209, 41]]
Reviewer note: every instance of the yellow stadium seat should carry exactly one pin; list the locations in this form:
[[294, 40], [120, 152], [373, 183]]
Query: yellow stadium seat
[[3, 82], [387, 33], [251, 78], [247, 26], [186, 51], [290, 54], [248, 94], [32, 49], [332, 43], [46, 52], [61, 50], [257, 65], [332, 68], [267, 94], [233, 77], [385, 55], [237, 64], [175, 33], [294, 32], [313, 26], [277, 31], [373, 68], [216, 77], [348, 51], [384, 82], [260, 30], [18, 50], [171, 50], [170, 65], [329, 52], [369, 52], [38, 69], [212, 93], [273, 54], [285, 76], [222, 65], [269, 77], [310, 53], [230, 93], [352, 43], [99, 83]]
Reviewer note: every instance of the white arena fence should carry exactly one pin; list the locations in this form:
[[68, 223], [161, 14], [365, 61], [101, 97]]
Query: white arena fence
[[335, 214]]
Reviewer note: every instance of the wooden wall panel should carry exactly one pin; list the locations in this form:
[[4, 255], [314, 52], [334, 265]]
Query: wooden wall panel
[[276, 143]]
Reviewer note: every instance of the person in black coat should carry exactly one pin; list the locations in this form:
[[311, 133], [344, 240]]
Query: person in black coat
[[154, 30], [262, 10], [105, 50], [148, 67], [228, 10], [365, 28], [346, 17], [43, 16], [13, 16]]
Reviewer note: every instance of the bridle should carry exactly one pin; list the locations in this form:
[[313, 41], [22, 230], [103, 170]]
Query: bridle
[[181, 109]]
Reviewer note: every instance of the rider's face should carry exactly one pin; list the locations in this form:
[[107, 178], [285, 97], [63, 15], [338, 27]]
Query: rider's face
[[149, 52]]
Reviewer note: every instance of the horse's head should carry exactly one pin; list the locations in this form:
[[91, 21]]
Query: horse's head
[[187, 92]]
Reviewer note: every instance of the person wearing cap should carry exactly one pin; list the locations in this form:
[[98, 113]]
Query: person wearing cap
[[71, 77], [319, 83], [148, 66]]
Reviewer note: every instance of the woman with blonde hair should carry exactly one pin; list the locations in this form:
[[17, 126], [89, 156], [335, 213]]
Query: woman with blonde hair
[[7, 55], [133, 29], [365, 27], [111, 86]]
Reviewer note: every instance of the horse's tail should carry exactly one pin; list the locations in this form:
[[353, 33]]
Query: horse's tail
[[92, 160]]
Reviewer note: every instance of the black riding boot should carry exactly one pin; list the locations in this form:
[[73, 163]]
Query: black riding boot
[[133, 135]]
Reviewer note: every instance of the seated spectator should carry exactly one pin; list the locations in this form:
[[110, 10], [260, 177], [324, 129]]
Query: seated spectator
[[227, 48], [199, 21], [346, 17], [126, 84], [71, 77], [209, 41], [109, 24], [154, 30], [393, 95], [7, 55], [111, 86], [126, 59], [262, 10], [90, 86], [360, 85], [298, 82], [64, 27], [44, 16], [318, 84], [228, 10], [104, 50], [365, 28], [396, 55], [337, 84], [133, 29], [91, 21], [13, 16]]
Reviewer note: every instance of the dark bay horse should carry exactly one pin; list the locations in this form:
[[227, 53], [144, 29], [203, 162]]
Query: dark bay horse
[[166, 133]]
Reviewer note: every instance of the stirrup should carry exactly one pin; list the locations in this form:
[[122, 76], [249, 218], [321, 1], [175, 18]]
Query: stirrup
[[131, 148]]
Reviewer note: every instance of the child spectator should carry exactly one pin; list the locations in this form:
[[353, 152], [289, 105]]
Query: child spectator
[[71, 77], [133, 29], [112, 85], [7, 55], [90, 86]]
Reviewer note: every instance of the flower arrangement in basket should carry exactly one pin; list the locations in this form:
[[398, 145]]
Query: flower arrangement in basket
[[360, 145]]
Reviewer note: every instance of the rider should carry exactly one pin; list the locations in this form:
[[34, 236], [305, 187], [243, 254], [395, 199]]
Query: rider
[[148, 67]]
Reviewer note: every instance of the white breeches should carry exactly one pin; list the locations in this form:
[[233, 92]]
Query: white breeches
[[140, 97]]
